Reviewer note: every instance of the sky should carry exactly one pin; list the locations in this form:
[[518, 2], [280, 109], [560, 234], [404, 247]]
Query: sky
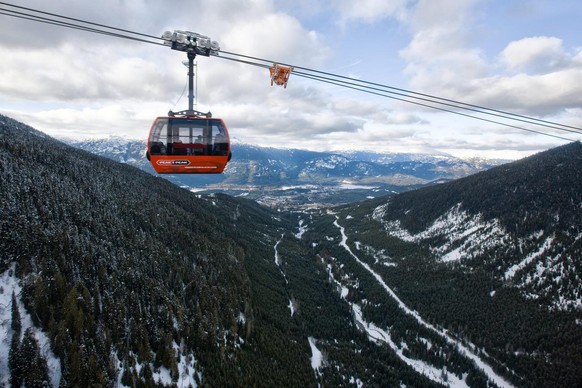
[[523, 57]]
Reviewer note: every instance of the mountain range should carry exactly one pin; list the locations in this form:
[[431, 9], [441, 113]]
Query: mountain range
[[290, 177], [111, 276]]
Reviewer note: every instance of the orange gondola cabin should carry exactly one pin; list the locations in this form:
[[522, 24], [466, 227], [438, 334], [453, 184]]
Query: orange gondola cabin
[[188, 145]]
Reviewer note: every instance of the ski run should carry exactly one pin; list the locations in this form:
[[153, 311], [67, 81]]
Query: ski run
[[377, 334]]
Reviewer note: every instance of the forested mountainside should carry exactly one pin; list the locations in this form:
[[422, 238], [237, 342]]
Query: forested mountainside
[[131, 279], [493, 260], [522, 221], [110, 276]]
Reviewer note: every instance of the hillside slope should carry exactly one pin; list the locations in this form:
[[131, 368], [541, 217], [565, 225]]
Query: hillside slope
[[130, 277], [494, 258], [112, 277], [523, 221]]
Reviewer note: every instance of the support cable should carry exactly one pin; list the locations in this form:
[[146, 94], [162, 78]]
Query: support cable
[[420, 99]]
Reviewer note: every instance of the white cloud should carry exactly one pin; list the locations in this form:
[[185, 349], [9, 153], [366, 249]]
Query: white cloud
[[65, 73], [537, 54], [115, 78], [369, 10], [536, 95], [439, 57], [532, 75], [88, 122], [274, 35], [71, 82]]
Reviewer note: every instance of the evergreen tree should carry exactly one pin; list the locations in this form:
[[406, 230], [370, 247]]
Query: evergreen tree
[[34, 364], [16, 320], [14, 357], [14, 364]]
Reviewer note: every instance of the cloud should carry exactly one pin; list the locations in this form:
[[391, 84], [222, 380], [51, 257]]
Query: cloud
[[91, 73], [538, 54], [140, 15], [87, 122], [71, 82], [438, 56], [275, 35], [369, 10], [68, 74], [536, 95], [533, 76]]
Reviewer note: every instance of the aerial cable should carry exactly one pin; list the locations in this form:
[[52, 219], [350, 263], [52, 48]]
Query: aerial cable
[[437, 108], [244, 62], [428, 97], [460, 104], [82, 21], [68, 25], [61, 23], [338, 80], [65, 24], [376, 91], [454, 105], [369, 90]]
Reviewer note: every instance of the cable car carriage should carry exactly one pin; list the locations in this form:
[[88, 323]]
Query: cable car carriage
[[190, 144]]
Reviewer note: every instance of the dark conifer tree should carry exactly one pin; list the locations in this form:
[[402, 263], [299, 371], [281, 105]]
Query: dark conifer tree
[[16, 320], [14, 364], [14, 357], [33, 363]]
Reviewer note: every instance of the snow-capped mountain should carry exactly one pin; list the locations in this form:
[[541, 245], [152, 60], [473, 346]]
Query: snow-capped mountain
[[272, 175], [121, 150]]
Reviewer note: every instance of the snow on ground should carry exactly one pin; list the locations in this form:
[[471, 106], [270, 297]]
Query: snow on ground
[[10, 284], [277, 258], [302, 229], [342, 290], [510, 273], [464, 350], [378, 335], [352, 186], [465, 236], [187, 369], [469, 234], [379, 256], [316, 356], [298, 187], [278, 261]]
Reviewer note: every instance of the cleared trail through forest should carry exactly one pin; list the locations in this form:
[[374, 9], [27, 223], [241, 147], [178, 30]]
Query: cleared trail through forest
[[487, 369]]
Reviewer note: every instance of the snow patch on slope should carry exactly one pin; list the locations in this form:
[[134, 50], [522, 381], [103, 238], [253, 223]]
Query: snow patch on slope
[[464, 235], [9, 284], [534, 264]]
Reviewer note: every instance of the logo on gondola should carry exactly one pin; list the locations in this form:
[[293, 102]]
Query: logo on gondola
[[179, 162]]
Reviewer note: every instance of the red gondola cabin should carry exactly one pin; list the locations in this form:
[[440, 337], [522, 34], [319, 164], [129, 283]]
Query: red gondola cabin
[[188, 145]]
